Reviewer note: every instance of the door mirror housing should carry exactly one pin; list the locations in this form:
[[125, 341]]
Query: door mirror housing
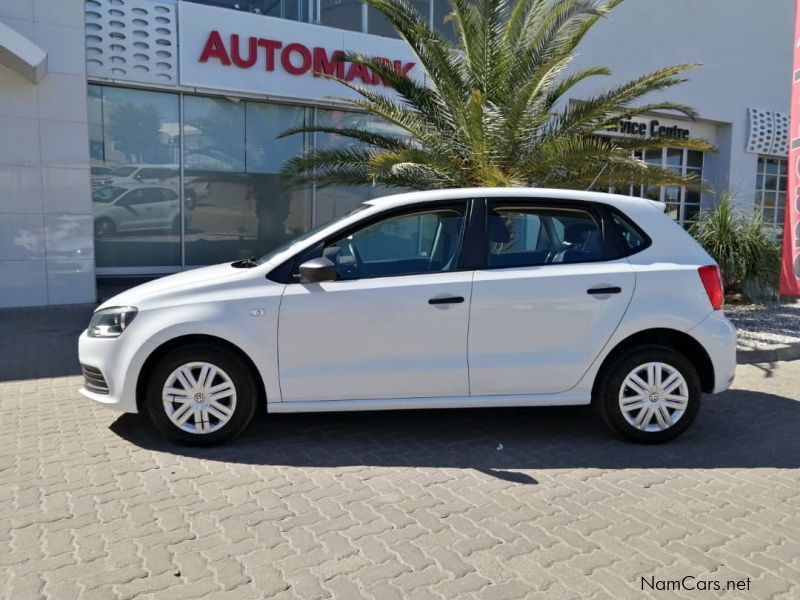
[[317, 270]]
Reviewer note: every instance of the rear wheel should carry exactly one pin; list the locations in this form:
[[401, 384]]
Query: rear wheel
[[651, 394], [201, 395]]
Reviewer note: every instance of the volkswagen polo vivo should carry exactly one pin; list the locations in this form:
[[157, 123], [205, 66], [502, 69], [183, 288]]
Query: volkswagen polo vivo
[[445, 299]]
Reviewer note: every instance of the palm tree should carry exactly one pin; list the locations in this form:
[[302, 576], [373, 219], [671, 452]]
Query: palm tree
[[493, 110]]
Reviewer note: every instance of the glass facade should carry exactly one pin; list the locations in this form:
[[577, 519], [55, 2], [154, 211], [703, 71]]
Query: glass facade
[[342, 14], [296, 10], [134, 142], [350, 15], [770, 198], [332, 201], [181, 180], [236, 205], [378, 25]]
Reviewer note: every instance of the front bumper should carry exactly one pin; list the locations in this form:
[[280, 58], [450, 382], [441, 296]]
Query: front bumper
[[119, 368], [718, 336]]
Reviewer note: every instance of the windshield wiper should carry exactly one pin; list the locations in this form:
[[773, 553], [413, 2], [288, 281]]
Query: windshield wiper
[[245, 263]]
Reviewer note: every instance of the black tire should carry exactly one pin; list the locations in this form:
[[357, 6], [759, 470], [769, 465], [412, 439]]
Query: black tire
[[607, 393], [246, 393], [104, 227]]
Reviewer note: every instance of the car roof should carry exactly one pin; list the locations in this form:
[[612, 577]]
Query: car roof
[[128, 186], [139, 166], [617, 200]]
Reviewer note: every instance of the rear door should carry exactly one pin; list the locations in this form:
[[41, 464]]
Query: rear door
[[548, 299]]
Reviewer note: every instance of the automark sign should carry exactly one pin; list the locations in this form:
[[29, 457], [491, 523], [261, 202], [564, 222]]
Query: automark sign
[[243, 52]]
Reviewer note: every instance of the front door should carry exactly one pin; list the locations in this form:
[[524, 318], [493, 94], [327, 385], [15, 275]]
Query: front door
[[394, 323], [547, 302]]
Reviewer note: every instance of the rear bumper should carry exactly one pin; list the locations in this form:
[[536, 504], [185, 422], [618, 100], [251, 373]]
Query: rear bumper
[[718, 336]]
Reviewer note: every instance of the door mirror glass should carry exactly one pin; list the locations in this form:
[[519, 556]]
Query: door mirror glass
[[317, 270]]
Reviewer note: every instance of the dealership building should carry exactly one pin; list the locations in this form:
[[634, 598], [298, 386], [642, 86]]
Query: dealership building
[[140, 137]]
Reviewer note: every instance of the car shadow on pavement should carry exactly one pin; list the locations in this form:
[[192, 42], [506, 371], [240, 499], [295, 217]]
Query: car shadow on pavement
[[736, 429]]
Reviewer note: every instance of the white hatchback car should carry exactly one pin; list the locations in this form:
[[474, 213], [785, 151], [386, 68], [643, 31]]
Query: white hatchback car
[[445, 299]]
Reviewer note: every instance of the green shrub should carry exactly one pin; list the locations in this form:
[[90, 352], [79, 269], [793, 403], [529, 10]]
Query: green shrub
[[739, 244]]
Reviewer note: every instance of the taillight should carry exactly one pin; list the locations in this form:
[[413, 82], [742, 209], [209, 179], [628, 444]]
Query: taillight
[[712, 280]]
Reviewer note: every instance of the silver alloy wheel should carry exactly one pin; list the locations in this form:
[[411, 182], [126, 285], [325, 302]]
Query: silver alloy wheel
[[199, 397], [653, 397]]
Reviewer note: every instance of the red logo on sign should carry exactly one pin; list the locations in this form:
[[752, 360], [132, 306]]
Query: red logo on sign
[[295, 58]]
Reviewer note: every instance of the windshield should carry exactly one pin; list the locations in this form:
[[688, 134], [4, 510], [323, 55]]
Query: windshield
[[308, 234]]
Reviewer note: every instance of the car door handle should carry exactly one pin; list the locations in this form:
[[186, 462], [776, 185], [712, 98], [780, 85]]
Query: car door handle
[[604, 290], [447, 300]]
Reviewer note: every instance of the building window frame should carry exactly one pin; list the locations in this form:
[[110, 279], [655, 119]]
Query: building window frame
[[772, 183], [687, 199]]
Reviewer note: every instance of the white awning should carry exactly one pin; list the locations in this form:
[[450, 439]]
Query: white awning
[[19, 53]]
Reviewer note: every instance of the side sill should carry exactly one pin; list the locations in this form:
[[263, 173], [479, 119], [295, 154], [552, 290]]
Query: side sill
[[297, 406]]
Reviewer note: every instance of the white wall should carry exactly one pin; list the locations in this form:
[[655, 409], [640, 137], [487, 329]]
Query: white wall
[[744, 45], [46, 237]]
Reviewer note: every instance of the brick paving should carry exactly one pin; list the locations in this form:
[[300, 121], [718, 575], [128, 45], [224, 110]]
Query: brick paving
[[387, 505]]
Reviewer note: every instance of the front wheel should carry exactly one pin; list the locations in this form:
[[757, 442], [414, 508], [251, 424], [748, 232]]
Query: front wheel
[[201, 395], [651, 394]]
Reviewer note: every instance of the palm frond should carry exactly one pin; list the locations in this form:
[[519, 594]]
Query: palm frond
[[493, 108]]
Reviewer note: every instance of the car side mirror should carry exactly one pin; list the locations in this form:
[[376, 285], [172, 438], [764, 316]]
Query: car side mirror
[[317, 270]]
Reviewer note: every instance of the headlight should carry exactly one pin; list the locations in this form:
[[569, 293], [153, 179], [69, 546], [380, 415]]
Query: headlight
[[111, 322]]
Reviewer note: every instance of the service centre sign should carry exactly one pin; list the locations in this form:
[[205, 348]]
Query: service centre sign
[[654, 129], [243, 52]]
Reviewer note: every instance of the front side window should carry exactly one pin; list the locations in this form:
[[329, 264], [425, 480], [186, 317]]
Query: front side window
[[420, 242], [528, 236], [107, 193], [135, 198], [155, 174], [149, 196]]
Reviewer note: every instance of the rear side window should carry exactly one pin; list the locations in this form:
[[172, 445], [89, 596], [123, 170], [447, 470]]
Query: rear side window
[[631, 238], [528, 236]]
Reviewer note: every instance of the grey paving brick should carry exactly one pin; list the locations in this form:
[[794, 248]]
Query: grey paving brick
[[94, 505]]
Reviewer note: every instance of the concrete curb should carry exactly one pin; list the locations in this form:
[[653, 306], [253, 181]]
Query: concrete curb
[[749, 357]]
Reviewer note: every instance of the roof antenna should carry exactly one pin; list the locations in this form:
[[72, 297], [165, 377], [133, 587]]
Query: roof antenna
[[591, 185]]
